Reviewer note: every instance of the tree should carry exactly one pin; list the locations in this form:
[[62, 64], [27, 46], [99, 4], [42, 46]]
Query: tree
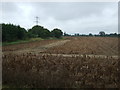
[[56, 33], [12, 32], [102, 33], [46, 33], [39, 31], [90, 34], [36, 30], [22, 33], [65, 34], [30, 35], [76, 34]]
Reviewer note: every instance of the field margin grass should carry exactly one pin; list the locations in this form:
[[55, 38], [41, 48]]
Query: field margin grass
[[28, 40], [21, 41]]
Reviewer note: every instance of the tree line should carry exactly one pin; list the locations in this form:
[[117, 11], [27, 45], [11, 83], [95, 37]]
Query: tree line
[[100, 34], [12, 32]]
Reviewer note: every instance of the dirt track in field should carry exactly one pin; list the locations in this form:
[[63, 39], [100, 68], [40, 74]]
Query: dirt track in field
[[39, 49], [45, 47]]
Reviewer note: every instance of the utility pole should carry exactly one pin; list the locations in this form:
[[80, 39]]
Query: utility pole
[[37, 18]]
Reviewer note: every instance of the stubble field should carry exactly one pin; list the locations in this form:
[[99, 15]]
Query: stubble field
[[62, 63], [88, 45]]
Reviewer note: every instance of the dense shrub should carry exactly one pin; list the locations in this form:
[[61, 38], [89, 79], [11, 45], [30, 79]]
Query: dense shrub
[[12, 32]]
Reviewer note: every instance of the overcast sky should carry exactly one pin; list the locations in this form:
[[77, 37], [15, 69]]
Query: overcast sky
[[71, 17]]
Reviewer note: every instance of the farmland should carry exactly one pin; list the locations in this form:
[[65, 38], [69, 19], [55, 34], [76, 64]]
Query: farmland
[[73, 62], [92, 45]]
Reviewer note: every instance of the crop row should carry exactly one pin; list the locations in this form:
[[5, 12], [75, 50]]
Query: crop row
[[46, 71]]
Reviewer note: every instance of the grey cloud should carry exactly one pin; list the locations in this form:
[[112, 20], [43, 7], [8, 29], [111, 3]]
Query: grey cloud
[[9, 7], [66, 11], [71, 17]]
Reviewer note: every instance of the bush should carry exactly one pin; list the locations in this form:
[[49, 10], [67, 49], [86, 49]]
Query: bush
[[56, 33]]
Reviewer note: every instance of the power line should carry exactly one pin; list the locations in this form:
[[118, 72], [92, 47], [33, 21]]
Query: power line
[[37, 18]]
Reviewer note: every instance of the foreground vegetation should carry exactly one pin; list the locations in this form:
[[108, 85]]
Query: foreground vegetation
[[47, 71]]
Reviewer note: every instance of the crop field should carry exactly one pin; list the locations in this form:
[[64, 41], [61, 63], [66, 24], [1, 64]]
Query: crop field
[[73, 62], [88, 45]]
